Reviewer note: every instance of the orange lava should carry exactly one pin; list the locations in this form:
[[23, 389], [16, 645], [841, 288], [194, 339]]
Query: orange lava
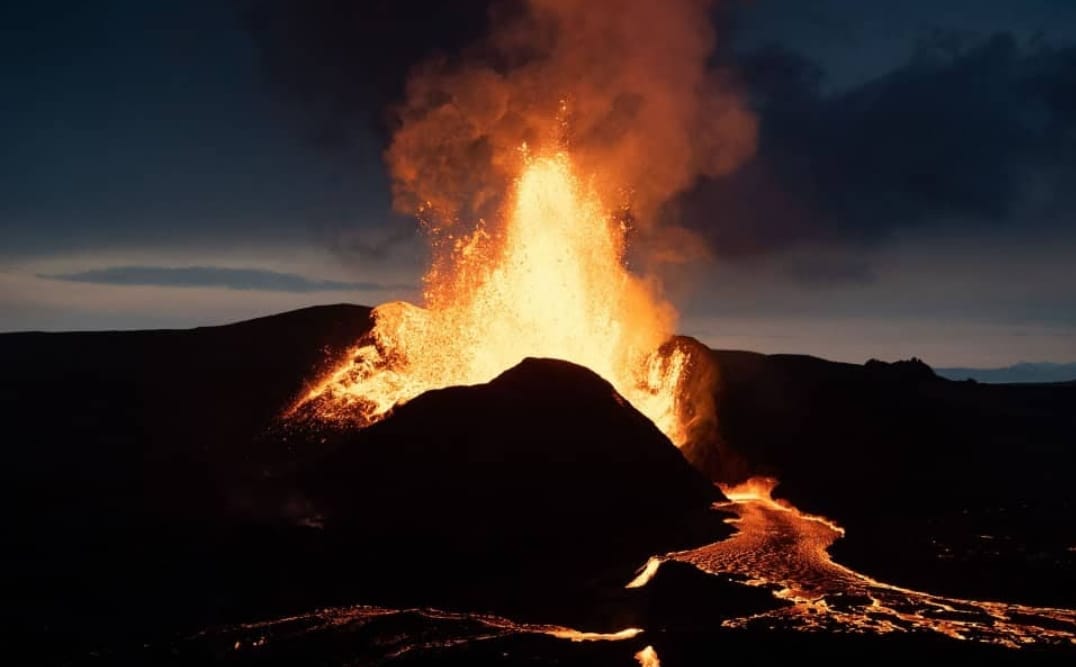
[[780, 547], [648, 657], [755, 488], [550, 281], [441, 629]]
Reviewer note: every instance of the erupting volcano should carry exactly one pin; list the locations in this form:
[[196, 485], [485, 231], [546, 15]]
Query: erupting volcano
[[539, 176], [538, 163], [550, 282], [530, 465]]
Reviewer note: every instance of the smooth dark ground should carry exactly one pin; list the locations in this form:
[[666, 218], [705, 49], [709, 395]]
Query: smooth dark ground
[[150, 495]]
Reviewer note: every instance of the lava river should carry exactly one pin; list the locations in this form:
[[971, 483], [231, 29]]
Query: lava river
[[776, 546], [780, 547]]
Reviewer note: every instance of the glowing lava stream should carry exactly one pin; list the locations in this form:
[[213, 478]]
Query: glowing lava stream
[[777, 545], [440, 629]]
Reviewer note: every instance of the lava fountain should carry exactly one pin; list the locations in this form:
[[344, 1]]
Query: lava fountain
[[532, 159], [551, 281]]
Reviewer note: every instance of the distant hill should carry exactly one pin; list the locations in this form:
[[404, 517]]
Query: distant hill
[[1024, 372]]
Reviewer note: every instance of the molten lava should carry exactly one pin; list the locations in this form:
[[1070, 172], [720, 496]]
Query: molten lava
[[780, 547], [550, 281], [648, 657]]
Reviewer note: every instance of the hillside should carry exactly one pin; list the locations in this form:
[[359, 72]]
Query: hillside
[[150, 466], [147, 465]]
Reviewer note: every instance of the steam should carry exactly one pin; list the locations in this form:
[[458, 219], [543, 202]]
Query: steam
[[622, 84]]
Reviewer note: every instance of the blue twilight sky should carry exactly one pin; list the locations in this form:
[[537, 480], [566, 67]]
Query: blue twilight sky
[[179, 163]]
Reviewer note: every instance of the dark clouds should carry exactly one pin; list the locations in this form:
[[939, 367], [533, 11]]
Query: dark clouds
[[828, 270], [211, 276], [856, 41], [970, 132], [132, 124], [962, 136], [899, 176], [374, 245], [340, 63]]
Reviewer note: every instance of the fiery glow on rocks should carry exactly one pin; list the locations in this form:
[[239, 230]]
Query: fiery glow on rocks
[[551, 281]]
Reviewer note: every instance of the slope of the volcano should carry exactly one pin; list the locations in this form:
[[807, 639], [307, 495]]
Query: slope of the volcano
[[542, 480], [152, 491]]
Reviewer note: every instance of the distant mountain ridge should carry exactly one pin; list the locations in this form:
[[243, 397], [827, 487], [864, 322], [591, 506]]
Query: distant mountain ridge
[[1023, 372]]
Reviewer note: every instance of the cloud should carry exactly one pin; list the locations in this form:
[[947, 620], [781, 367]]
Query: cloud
[[824, 270], [336, 61], [209, 276], [380, 244], [967, 135], [962, 136]]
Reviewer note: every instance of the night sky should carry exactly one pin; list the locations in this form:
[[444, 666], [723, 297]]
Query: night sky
[[180, 163]]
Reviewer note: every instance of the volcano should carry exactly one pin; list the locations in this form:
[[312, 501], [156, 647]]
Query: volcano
[[495, 481], [175, 481], [159, 504]]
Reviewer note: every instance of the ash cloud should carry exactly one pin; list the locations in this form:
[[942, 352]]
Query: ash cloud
[[962, 136], [466, 83], [967, 134], [625, 85]]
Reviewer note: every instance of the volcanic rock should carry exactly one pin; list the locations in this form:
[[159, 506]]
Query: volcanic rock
[[147, 494], [683, 597], [541, 480], [915, 467]]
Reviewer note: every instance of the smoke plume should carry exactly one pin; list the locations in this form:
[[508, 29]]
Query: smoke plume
[[623, 85]]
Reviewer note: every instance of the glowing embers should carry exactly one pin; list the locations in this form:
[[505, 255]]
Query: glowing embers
[[549, 282], [648, 657]]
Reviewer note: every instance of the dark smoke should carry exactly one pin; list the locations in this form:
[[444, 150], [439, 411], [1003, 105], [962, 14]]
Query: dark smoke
[[341, 63], [981, 135], [624, 85], [963, 135]]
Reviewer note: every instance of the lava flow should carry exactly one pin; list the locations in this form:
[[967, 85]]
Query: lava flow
[[780, 547], [551, 282], [424, 630]]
